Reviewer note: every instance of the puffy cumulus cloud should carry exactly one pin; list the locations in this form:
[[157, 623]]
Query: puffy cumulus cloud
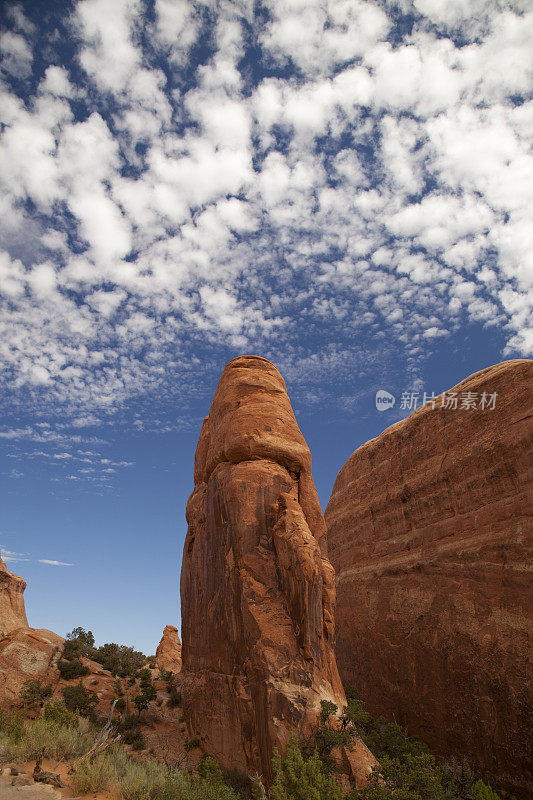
[[16, 54], [320, 36], [195, 175]]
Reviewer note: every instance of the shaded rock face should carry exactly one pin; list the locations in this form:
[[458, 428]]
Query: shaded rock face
[[168, 653], [257, 590], [12, 610], [430, 532]]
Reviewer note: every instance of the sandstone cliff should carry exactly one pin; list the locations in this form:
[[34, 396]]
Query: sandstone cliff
[[168, 653], [257, 590], [12, 610], [430, 531]]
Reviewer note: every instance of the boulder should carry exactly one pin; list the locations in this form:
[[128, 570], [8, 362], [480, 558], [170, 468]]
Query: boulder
[[26, 654], [430, 532], [168, 653], [257, 589], [12, 610], [22, 780]]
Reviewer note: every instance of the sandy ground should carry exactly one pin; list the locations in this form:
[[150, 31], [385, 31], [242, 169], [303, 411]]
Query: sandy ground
[[39, 791]]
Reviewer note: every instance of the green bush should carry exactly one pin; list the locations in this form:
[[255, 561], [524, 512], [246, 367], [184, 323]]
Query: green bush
[[300, 778], [58, 712], [43, 735], [407, 771], [209, 769], [82, 640], [70, 670], [174, 695], [130, 731], [34, 691], [481, 791], [94, 775], [119, 659], [79, 699]]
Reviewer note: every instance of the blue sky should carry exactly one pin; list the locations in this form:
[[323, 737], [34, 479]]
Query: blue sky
[[342, 187]]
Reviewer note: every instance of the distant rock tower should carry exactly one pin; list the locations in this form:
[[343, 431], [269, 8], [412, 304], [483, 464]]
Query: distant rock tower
[[12, 610], [168, 653], [257, 589]]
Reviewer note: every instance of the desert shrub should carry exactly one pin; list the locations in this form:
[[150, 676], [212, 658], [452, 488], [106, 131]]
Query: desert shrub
[[135, 739], [56, 741], [174, 695], [79, 699], [58, 712], [408, 770], [327, 736], [191, 744], [72, 669], [82, 640], [119, 659], [209, 769], [34, 691], [164, 675], [377, 792], [130, 731], [482, 791], [93, 775], [44, 735], [239, 782], [143, 780], [300, 778], [419, 774], [12, 725]]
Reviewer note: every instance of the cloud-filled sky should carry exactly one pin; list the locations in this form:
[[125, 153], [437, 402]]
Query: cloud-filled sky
[[342, 186]]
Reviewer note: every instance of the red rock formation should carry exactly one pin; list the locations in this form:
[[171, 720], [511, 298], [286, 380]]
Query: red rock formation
[[33, 654], [25, 654], [12, 611], [168, 653], [430, 531], [257, 590]]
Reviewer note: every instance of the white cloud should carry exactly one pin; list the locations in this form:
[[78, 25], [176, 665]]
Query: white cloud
[[157, 204], [15, 54], [108, 54], [52, 563]]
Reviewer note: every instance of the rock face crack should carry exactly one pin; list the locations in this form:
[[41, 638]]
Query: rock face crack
[[257, 590]]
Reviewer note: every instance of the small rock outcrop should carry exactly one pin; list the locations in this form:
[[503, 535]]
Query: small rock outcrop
[[430, 529], [257, 589], [168, 653], [26, 653], [12, 610]]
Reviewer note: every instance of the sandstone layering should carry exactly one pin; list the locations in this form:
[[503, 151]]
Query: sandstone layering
[[257, 589], [168, 653], [430, 531], [12, 611]]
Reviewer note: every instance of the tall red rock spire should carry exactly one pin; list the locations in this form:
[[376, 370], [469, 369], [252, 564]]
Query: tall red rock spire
[[257, 590]]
